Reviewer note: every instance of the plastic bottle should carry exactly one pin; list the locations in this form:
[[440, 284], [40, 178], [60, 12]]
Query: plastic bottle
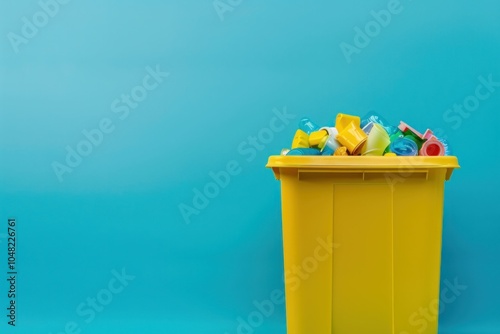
[[304, 151], [375, 118], [327, 150], [404, 147], [308, 126]]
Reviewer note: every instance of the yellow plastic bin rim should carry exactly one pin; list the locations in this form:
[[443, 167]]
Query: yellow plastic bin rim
[[362, 162]]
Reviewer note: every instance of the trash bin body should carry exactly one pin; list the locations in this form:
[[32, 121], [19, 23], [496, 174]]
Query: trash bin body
[[362, 242]]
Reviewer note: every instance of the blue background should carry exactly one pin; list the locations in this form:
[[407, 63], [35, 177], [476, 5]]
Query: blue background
[[120, 207]]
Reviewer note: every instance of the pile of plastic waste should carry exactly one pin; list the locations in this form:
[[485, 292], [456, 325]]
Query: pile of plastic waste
[[372, 136]]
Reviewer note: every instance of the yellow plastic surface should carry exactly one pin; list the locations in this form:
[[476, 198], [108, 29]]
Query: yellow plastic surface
[[300, 140], [342, 150], [318, 138], [353, 138], [343, 120], [383, 217]]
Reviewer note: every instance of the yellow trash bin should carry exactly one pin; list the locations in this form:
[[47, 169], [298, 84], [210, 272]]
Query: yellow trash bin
[[362, 241]]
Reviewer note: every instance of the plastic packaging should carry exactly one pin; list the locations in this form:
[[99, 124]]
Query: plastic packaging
[[406, 128]]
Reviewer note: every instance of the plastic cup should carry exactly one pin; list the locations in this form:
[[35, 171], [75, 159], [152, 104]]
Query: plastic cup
[[352, 137], [343, 120], [368, 127], [377, 141], [332, 134]]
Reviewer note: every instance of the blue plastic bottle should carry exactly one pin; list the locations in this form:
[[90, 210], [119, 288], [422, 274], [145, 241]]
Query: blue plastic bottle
[[304, 151], [308, 126], [327, 150], [404, 146]]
